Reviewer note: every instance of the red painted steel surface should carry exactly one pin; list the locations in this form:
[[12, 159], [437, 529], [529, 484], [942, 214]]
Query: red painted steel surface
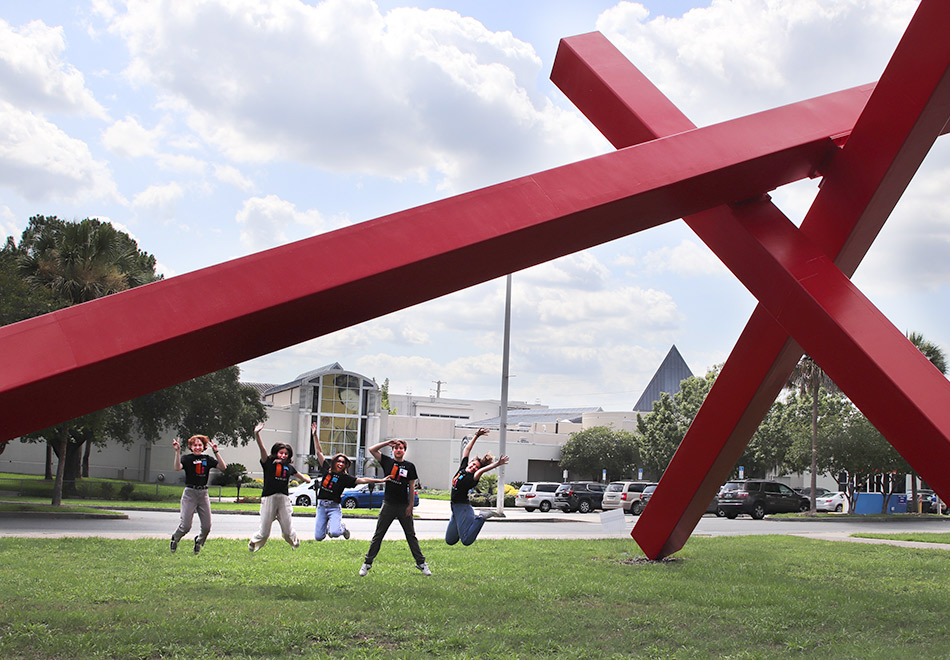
[[122, 346], [882, 373]]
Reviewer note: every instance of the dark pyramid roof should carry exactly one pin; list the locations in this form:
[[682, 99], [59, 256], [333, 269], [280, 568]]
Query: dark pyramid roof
[[672, 372]]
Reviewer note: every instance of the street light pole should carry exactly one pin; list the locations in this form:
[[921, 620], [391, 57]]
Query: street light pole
[[503, 417]]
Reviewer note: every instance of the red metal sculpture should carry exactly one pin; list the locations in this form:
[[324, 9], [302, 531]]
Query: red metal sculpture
[[100, 353], [799, 277]]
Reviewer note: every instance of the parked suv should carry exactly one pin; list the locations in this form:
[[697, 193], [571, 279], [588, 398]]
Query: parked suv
[[758, 497], [625, 495], [536, 495], [583, 496]]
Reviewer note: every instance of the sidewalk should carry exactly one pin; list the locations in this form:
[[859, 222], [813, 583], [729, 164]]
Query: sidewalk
[[846, 536]]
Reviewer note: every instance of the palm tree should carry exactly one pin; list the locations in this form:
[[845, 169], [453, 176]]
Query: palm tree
[[938, 359], [809, 377]]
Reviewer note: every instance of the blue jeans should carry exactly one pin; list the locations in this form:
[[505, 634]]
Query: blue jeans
[[464, 525], [329, 515]]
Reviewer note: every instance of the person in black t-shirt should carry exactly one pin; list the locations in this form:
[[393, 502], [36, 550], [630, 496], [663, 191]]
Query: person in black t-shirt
[[194, 497], [464, 525], [398, 503], [275, 502], [334, 481]]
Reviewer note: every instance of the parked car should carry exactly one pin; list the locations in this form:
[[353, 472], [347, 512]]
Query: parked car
[[758, 497], [819, 492], [536, 495], [625, 495], [647, 494], [364, 496], [583, 496], [831, 502]]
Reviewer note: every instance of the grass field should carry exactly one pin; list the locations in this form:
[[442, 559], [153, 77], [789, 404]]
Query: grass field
[[736, 597]]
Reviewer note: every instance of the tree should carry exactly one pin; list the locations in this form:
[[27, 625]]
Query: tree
[[661, 431], [384, 398], [809, 377], [598, 448], [73, 262], [77, 262]]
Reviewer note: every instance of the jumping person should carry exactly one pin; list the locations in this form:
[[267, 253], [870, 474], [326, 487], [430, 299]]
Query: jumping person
[[464, 525], [398, 503], [275, 502], [335, 480], [194, 498]]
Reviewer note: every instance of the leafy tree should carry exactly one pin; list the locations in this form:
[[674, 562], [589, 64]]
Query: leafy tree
[[19, 300], [771, 444], [938, 358], [860, 452], [73, 262], [661, 431], [660, 434], [384, 397], [809, 377], [594, 449]]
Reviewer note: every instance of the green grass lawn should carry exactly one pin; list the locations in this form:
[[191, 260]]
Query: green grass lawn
[[736, 597]]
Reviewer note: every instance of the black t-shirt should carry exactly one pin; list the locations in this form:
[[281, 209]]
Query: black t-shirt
[[196, 467], [402, 472], [333, 484], [462, 482], [276, 477]]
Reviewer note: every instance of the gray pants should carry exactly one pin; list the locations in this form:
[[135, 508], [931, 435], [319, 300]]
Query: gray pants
[[387, 513], [194, 500]]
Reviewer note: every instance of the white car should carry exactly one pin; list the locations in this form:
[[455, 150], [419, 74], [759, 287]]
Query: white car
[[304, 494], [536, 495], [836, 502]]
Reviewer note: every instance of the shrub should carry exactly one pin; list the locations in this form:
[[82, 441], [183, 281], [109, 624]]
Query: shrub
[[126, 490], [106, 489]]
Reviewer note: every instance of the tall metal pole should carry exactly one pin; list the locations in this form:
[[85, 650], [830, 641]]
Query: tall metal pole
[[503, 417]]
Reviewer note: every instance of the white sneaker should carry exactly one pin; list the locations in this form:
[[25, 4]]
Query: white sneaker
[[346, 533], [424, 567], [251, 546], [490, 513], [364, 569], [295, 544]]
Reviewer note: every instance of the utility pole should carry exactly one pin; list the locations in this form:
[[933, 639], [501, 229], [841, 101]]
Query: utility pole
[[438, 387], [503, 416]]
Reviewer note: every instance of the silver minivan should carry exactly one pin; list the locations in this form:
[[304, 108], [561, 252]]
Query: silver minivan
[[536, 495], [625, 495]]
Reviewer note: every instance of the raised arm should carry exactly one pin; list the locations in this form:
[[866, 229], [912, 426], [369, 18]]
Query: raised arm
[[316, 443], [471, 443], [374, 450], [214, 450], [479, 472], [176, 443], [260, 443]]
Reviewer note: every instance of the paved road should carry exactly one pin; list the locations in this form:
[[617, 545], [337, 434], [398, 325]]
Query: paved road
[[433, 516]]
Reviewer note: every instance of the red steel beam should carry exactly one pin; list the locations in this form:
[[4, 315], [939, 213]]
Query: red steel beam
[[862, 184], [89, 356]]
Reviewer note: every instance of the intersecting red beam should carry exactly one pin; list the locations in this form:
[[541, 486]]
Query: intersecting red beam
[[860, 188], [83, 358]]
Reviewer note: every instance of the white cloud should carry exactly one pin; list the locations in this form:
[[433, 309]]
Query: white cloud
[[159, 197], [34, 75], [732, 58], [39, 161], [270, 221], [182, 164], [408, 94], [233, 176], [688, 258], [128, 138]]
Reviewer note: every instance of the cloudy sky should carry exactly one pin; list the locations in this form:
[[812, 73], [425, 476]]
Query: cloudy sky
[[211, 129]]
